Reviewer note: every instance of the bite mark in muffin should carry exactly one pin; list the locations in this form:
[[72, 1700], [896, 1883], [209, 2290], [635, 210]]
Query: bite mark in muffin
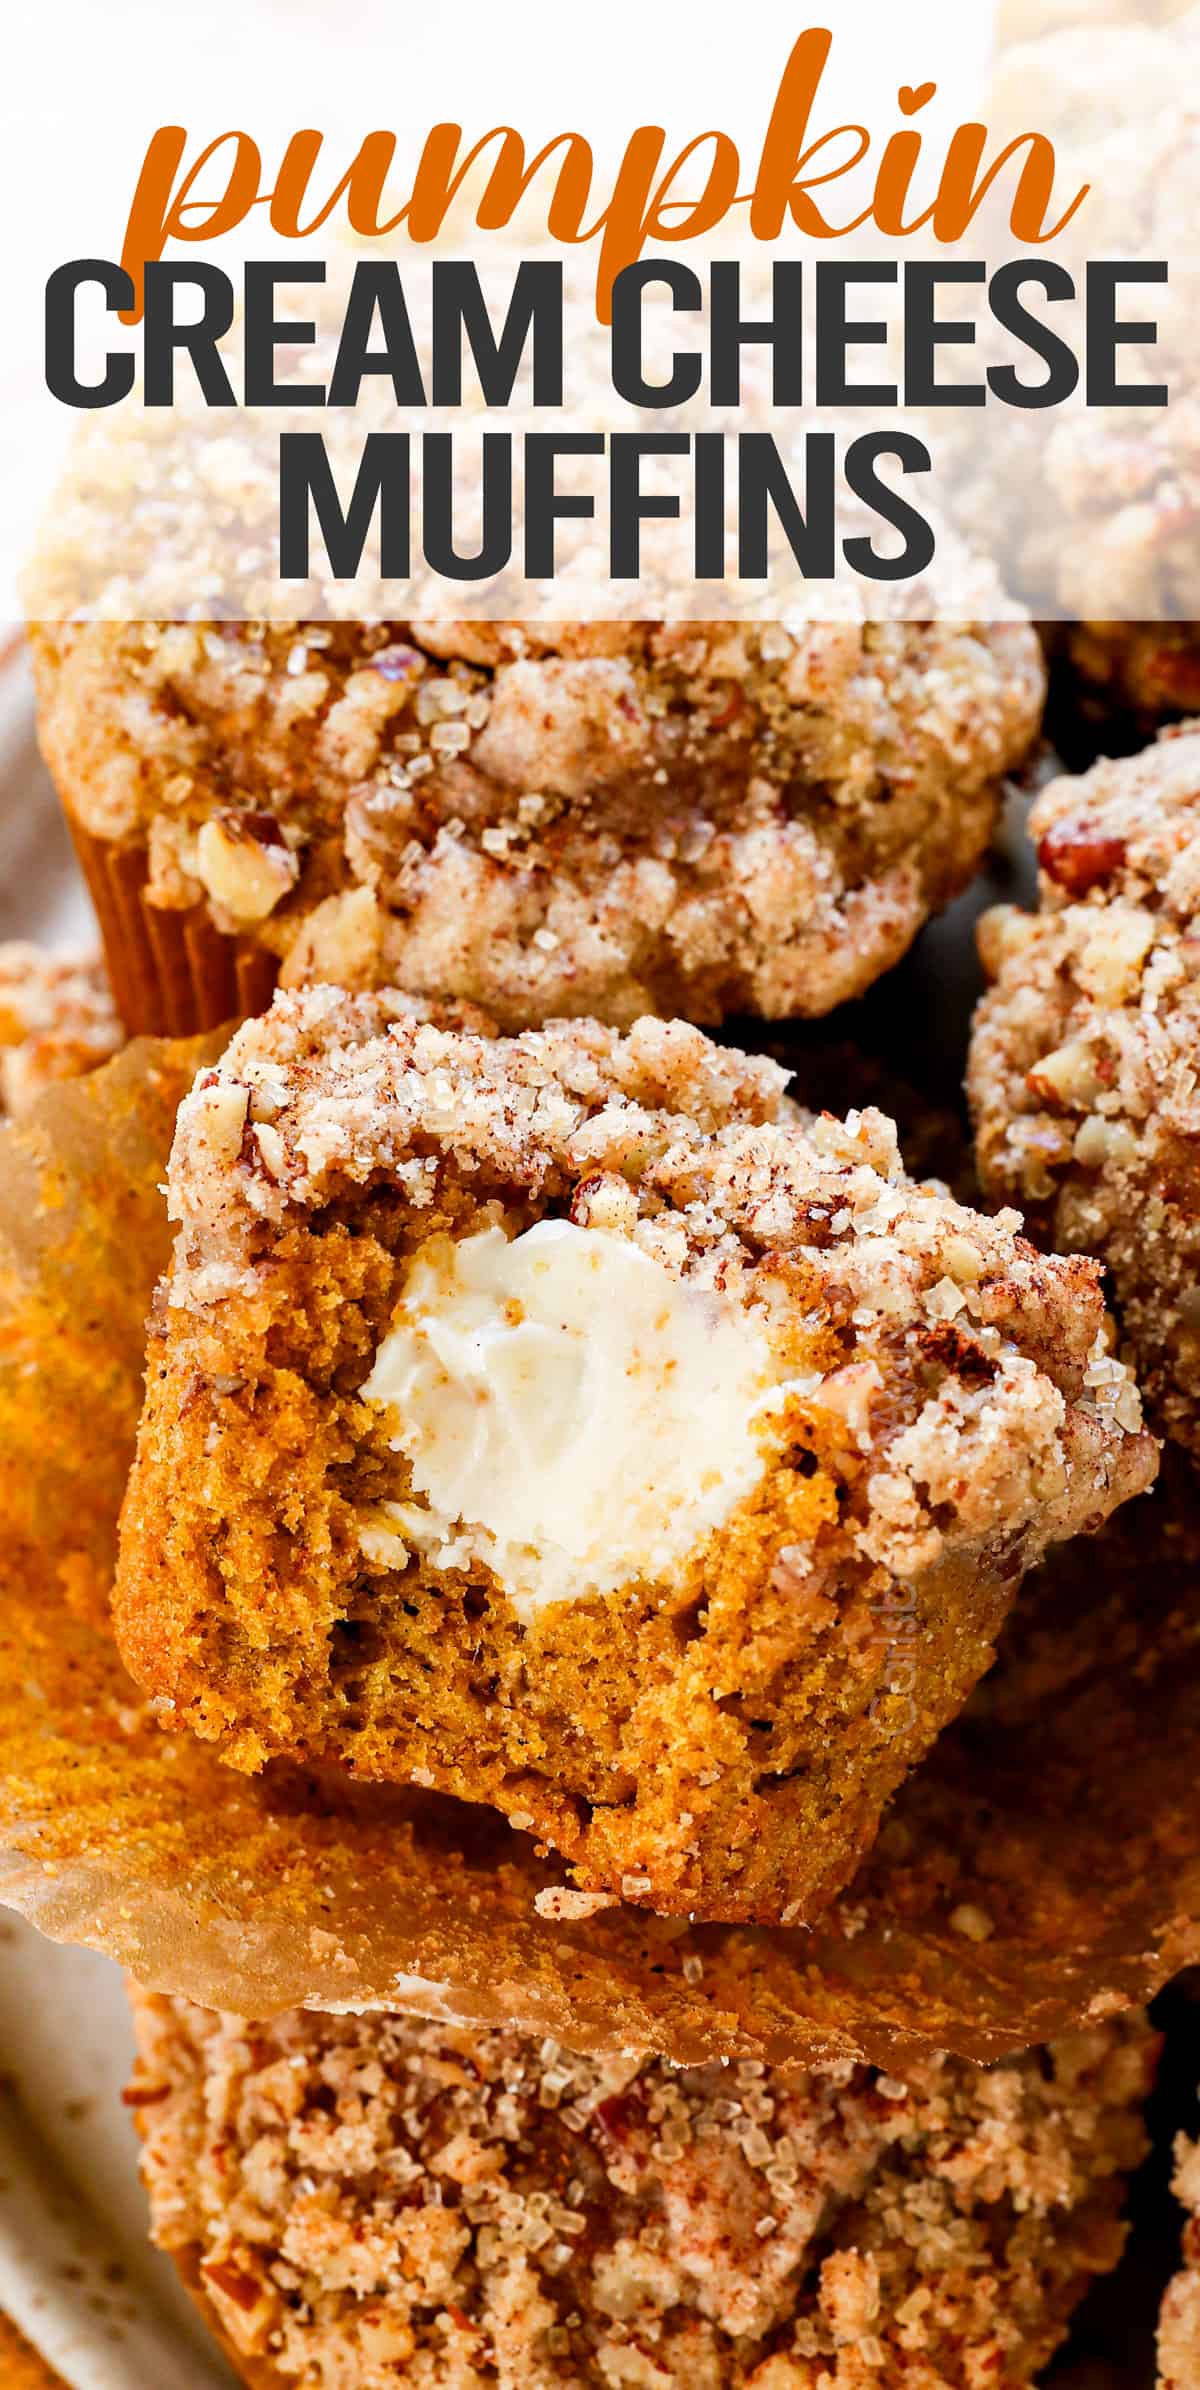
[[700, 1686]]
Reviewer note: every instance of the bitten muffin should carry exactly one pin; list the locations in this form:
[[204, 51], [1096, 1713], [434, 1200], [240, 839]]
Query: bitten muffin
[[1083, 1070], [602, 819], [364, 2201], [1179, 2323], [566, 1423], [57, 1020]]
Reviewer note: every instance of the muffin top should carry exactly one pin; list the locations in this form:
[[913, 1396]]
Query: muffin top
[[1082, 1075], [566, 2222], [959, 1357], [591, 818]]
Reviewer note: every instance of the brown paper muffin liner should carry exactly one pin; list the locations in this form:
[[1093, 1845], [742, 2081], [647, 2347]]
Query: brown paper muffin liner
[[21, 2368], [1040, 1869], [173, 973]]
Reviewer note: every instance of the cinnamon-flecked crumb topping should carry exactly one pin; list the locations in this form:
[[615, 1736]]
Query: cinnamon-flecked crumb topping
[[364, 2200]]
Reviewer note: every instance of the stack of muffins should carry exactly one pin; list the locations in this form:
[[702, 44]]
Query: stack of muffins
[[566, 1418], [560, 1405]]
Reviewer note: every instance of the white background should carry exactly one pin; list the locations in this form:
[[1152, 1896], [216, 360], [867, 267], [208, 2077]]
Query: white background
[[85, 86]]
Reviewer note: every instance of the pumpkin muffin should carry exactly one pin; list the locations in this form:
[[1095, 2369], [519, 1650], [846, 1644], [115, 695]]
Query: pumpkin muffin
[[56, 1021], [603, 819], [367, 2200], [566, 1423], [1082, 1078]]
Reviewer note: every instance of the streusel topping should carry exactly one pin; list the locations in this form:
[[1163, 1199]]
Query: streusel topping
[[361, 2198], [691, 1152]]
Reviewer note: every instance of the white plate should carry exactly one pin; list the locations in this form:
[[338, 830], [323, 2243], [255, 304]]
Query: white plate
[[77, 2273]]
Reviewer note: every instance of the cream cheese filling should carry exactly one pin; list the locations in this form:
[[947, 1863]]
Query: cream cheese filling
[[574, 1415]]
